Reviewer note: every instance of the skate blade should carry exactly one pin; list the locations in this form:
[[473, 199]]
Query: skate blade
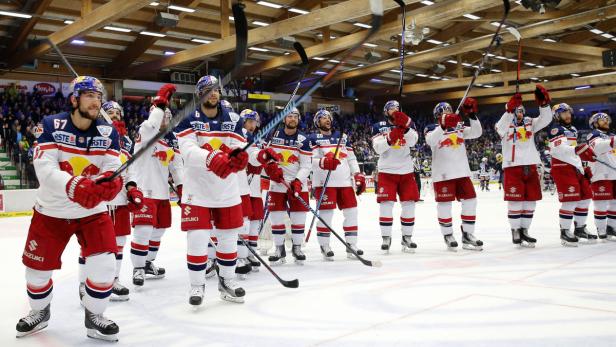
[[39, 327], [95, 334], [527, 245], [255, 269], [611, 238], [385, 251], [299, 262], [242, 277], [452, 249], [235, 299], [115, 297], [278, 262], [568, 244], [408, 250], [326, 258], [154, 277], [472, 248]]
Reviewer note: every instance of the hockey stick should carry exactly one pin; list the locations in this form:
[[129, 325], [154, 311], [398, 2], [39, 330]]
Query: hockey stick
[[329, 173], [241, 42], [376, 6], [484, 58], [70, 67], [289, 284], [518, 37], [374, 263], [402, 44]]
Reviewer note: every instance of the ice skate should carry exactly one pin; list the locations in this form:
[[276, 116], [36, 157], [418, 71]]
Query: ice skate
[[254, 263], [567, 239], [350, 255], [408, 246], [243, 268], [211, 268], [138, 276], [527, 241], [611, 233], [279, 257], [99, 327], [515, 237], [583, 235], [602, 235], [386, 244], [35, 320], [230, 290], [471, 243], [153, 272], [196, 295], [328, 254], [450, 241], [118, 292], [298, 254], [82, 292]]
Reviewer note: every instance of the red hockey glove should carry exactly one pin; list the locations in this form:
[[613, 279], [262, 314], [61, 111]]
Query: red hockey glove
[[83, 191], [542, 97], [218, 163], [329, 163], [238, 160], [360, 183], [110, 189], [164, 95], [585, 152], [274, 172], [514, 102], [448, 121], [135, 199], [470, 108], [396, 134], [588, 173], [400, 119], [296, 186], [266, 155], [120, 126]]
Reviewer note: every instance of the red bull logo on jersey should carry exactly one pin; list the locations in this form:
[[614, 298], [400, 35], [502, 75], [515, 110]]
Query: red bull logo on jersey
[[165, 156], [79, 166], [288, 158], [399, 144], [521, 134], [451, 140], [339, 156]]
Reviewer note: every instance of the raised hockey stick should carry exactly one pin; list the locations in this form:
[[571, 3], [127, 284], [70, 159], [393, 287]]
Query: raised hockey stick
[[373, 263], [518, 37], [402, 44], [329, 173], [289, 284], [376, 6], [241, 43], [70, 67], [484, 58]]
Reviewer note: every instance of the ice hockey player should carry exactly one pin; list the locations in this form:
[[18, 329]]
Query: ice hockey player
[[603, 184], [287, 157], [339, 191], [128, 200], [573, 187], [211, 198], [484, 174], [450, 170], [520, 160], [392, 140], [152, 178], [74, 151]]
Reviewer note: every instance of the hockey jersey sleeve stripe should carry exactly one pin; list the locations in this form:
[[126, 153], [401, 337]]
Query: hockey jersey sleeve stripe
[[73, 150], [185, 132], [557, 138], [45, 146], [221, 134]]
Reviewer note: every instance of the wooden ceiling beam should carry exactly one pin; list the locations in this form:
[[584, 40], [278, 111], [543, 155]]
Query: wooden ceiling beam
[[24, 30], [557, 95]]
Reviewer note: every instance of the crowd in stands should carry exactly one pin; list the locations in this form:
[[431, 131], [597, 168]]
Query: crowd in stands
[[20, 113]]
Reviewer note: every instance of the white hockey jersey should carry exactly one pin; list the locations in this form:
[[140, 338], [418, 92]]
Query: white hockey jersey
[[152, 169], [64, 151], [602, 144], [254, 168], [296, 158], [126, 151], [243, 176], [322, 145], [525, 149], [394, 159], [449, 159], [562, 146], [198, 135]]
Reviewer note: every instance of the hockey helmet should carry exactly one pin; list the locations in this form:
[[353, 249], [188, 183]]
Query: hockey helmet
[[560, 108], [320, 114], [250, 114], [86, 84], [595, 118], [205, 85], [442, 108], [390, 105], [226, 105], [112, 105]]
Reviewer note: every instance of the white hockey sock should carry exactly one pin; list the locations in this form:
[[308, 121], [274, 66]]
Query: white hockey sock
[[323, 233], [611, 214], [157, 234], [407, 217], [443, 213], [226, 251], [140, 244], [120, 242], [386, 218], [528, 210], [566, 214], [580, 213], [100, 272], [211, 248], [196, 255], [253, 235], [242, 251], [298, 223], [469, 210], [39, 287], [600, 211], [278, 227], [515, 214], [350, 225]]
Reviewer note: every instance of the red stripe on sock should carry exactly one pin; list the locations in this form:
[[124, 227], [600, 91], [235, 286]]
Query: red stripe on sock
[[407, 220], [350, 228], [97, 287], [139, 246], [467, 218], [196, 259], [154, 243], [445, 220], [226, 256], [386, 219], [322, 229], [40, 290], [565, 212], [278, 227]]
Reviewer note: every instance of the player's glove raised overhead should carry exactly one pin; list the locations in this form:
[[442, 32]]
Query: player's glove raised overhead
[[514, 102], [542, 97]]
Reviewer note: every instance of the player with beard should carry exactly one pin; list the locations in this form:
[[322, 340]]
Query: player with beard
[[73, 152], [209, 142], [339, 191]]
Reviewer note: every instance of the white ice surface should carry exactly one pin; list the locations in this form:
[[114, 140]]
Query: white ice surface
[[548, 296]]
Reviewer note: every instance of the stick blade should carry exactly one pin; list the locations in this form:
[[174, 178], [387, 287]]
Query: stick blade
[[376, 263], [291, 284], [302, 52]]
